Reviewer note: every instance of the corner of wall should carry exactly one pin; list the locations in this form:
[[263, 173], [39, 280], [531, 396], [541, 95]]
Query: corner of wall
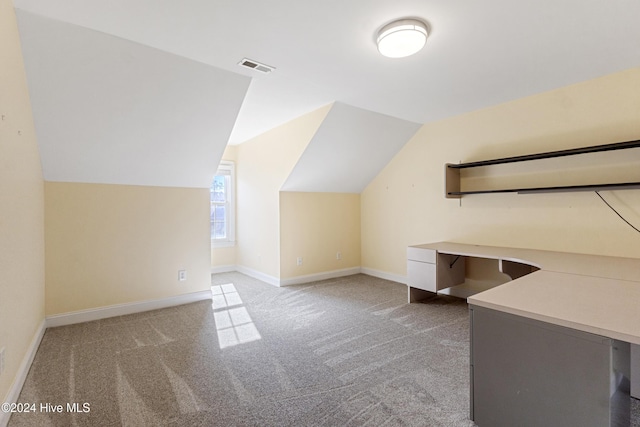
[[319, 234], [405, 204], [263, 165], [22, 212]]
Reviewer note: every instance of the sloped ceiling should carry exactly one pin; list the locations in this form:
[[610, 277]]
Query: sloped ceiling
[[349, 149], [108, 110], [479, 53], [149, 91]]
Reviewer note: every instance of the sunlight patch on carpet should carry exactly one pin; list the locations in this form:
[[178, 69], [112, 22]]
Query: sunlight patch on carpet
[[233, 322]]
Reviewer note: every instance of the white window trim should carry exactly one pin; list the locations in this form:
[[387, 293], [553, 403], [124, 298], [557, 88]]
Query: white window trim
[[228, 168]]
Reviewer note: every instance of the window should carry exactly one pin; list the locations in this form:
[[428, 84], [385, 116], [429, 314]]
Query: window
[[222, 206]]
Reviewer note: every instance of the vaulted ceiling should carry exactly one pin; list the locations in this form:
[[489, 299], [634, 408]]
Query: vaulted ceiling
[[148, 92], [108, 110]]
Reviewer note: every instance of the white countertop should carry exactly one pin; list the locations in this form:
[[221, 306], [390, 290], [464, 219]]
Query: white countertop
[[596, 294]]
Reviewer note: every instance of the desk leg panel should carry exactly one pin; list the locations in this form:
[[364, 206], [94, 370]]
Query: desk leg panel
[[530, 373]]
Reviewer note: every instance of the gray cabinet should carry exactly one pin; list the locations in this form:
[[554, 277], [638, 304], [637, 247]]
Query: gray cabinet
[[529, 373]]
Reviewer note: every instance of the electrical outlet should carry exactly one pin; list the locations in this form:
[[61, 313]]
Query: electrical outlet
[[1, 360], [182, 275], [338, 255], [299, 261]]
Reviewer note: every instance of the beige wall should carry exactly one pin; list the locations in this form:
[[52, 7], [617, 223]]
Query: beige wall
[[315, 226], [405, 204], [264, 164], [222, 257], [21, 208], [114, 244]]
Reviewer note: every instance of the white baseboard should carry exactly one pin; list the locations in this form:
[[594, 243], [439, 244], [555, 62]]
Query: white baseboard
[[309, 277], [384, 275], [223, 269], [297, 280], [123, 309], [258, 275], [23, 370]]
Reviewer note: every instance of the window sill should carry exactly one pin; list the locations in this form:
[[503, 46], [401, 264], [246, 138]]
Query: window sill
[[222, 244]]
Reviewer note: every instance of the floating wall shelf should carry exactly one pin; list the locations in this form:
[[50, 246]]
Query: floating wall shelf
[[452, 172]]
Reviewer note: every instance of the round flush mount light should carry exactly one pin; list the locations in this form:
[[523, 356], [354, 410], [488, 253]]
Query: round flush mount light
[[402, 38]]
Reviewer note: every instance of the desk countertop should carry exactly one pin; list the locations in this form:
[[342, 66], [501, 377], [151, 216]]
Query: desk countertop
[[596, 294]]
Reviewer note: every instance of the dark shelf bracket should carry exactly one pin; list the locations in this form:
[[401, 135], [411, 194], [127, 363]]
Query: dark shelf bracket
[[454, 261]]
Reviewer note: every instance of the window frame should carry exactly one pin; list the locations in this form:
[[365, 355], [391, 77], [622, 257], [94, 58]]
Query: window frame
[[226, 168]]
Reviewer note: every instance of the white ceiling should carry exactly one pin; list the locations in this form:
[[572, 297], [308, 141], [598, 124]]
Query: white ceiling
[[478, 53]]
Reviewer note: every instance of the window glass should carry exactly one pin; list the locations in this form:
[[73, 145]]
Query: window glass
[[221, 197]]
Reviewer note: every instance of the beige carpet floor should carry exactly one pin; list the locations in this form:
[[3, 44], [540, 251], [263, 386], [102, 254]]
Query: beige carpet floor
[[341, 352]]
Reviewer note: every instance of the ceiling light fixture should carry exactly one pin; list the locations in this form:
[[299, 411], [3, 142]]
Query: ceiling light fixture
[[402, 38]]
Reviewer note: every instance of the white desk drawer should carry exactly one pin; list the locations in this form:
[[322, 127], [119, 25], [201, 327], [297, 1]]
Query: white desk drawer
[[421, 254], [421, 275]]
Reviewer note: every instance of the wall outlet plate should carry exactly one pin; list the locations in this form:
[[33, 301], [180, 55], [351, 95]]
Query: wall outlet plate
[[182, 275], [299, 261]]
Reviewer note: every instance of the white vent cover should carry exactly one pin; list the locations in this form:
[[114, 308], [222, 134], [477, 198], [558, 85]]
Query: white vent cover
[[255, 65]]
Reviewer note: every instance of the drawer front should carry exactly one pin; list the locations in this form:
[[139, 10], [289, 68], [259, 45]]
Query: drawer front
[[420, 254], [421, 275]]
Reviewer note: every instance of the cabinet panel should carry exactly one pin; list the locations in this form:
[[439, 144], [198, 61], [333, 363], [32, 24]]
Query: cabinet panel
[[635, 371], [421, 275], [529, 373], [450, 270]]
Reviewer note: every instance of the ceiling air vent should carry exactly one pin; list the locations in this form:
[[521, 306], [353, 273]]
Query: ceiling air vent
[[255, 65]]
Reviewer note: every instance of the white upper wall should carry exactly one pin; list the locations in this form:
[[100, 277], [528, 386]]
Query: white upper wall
[[349, 149], [108, 110]]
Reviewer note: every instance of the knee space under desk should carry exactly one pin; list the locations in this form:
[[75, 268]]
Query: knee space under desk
[[430, 272]]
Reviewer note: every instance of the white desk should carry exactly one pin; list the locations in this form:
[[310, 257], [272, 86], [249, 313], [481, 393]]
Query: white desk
[[594, 294]]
